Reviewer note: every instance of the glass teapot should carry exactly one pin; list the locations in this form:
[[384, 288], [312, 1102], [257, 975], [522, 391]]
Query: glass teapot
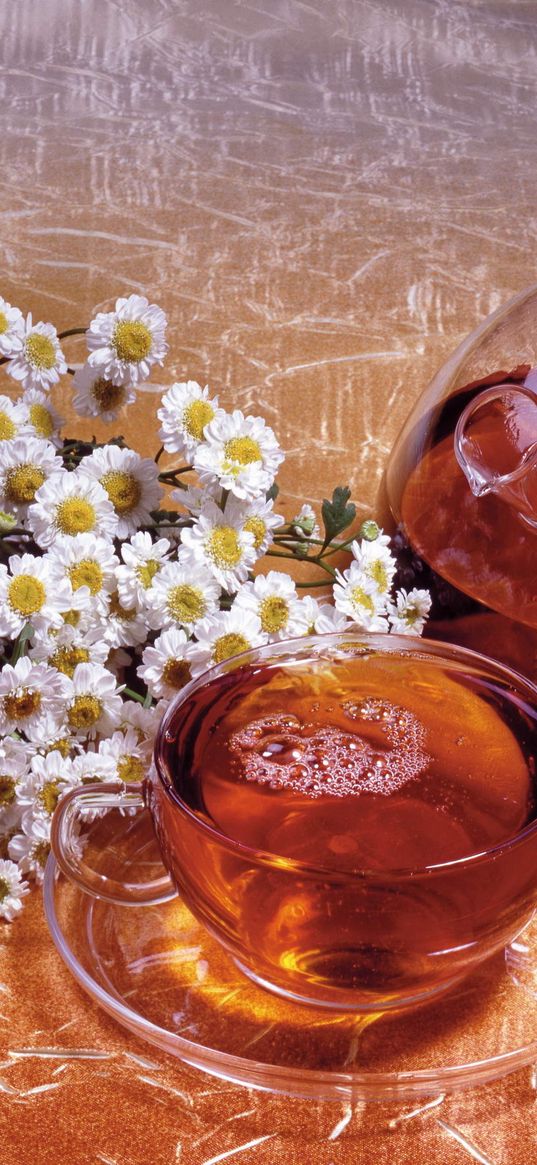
[[462, 485]]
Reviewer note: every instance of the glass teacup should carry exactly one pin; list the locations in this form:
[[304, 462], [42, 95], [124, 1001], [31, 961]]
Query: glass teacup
[[352, 816]]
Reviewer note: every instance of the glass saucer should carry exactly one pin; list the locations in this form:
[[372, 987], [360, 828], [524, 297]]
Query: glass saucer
[[161, 975]]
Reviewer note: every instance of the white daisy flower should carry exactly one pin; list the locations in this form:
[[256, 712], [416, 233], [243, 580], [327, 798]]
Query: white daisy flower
[[376, 561], [92, 766], [305, 523], [26, 464], [124, 626], [31, 848], [409, 612], [130, 481], [273, 598], [13, 415], [49, 778], [28, 594], [330, 620], [125, 343], [194, 499], [185, 411], [182, 594], [311, 610], [71, 504], [130, 755], [94, 703], [12, 890], [86, 560], [219, 543], [95, 396], [13, 769], [221, 636], [257, 517], [28, 691], [145, 721], [39, 362], [165, 668], [11, 328], [68, 646], [50, 734], [42, 419], [143, 559], [241, 453], [358, 596]]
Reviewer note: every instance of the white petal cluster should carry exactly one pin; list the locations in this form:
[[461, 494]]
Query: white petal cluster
[[110, 605]]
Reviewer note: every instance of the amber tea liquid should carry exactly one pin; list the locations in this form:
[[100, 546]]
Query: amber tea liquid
[[352, 772]]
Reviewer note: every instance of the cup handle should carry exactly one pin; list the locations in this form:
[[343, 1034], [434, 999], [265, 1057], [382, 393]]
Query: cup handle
[[67, 851]]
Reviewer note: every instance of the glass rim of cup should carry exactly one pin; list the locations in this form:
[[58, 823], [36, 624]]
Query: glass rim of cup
[[392, 643]]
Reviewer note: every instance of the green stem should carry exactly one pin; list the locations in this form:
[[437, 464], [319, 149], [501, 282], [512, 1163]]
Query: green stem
[[134, 695], [293, 558], [334, 547], [21, 643], [72, 332], [168, 476], [15, 532], [306, 585]]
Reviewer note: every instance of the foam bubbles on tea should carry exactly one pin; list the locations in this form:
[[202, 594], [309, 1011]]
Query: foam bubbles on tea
[[376, 761], [288, 754]]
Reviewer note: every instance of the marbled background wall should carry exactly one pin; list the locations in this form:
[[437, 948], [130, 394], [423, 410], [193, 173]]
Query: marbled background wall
[[325, 196]]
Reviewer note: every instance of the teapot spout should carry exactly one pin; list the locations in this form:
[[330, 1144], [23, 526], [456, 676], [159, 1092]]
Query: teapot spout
[[496, 446]]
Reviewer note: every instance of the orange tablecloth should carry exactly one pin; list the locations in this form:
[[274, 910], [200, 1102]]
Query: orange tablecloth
[[324, 197]]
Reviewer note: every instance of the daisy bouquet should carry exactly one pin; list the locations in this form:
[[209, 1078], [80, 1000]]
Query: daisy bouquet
[[121, 580]]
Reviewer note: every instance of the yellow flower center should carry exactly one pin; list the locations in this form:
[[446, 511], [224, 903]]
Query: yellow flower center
[[228, 645], [72, 617], [131, 340], [257, 527], [21, 703], [107, 395], [274, 614], [40, 351], [360, 599], [4, 323], [123, 489], [223, 546], [22, 482], [61, 745], [40, 853], [120, 612], [86, 573], [186, 603], [4, 889], [242, 449], [7, 428], [75, 516], [411, 615], [131, 768], [26, 594], [41, 420], [196, 416], [49, 796], [7, 789], [377, 572], [176, 673], [84, 711], [147, 571], [65, 659]]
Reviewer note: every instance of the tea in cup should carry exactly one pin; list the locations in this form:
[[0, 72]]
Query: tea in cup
[[352, 816]]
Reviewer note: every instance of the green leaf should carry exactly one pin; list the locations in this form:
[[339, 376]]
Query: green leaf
[[273, 492], [337, 514]]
